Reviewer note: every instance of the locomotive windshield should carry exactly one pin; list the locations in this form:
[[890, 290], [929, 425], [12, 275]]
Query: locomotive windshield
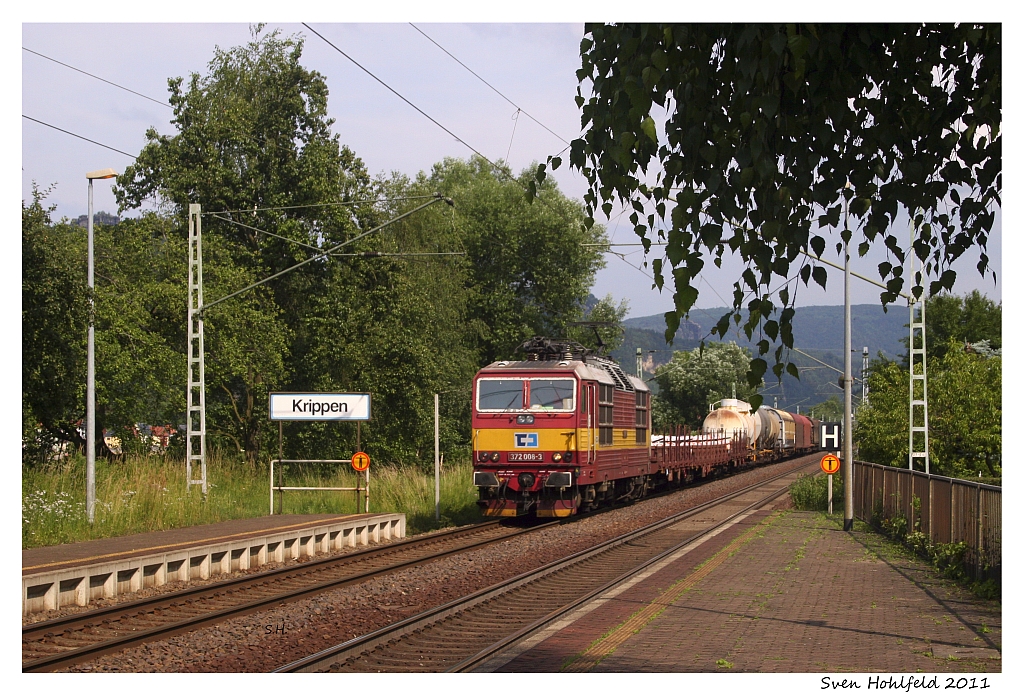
[[499, 394], [551, 394], [503, 394]]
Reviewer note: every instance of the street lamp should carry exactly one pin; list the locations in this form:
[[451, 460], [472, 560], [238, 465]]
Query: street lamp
[[90, 383]]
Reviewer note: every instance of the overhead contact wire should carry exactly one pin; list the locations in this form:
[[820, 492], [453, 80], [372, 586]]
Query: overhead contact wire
[[80, 137], [397, 94], [495, 89], [96, 77], [500, 171]]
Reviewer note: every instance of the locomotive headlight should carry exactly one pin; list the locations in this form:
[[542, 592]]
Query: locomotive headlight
[[483, 456], [556, 457], [495, 456], [567, 457]]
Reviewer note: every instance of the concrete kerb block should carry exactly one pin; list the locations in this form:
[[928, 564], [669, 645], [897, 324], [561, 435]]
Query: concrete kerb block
[[38, 596], [199, 566], [84, 584], [220, 561], [127, 578], [258, 553], [101, 582], [153, 574], [72, 590]]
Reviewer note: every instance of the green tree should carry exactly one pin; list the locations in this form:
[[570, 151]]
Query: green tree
[[140, 314], [397, 327], [829, 409], [384, 315], [970, 318], [253, 147], [529, 269], [965, 423], [771, 130], [606, 337], [691, 380], [54, 321]]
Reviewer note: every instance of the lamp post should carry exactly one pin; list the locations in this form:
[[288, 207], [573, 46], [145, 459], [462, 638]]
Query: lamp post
[[90, 382]]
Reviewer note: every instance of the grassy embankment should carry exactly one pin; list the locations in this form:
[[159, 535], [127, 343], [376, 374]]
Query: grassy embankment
[[147, 493]]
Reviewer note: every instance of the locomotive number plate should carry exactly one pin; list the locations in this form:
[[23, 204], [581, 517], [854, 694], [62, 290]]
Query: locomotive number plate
[[525, 456]]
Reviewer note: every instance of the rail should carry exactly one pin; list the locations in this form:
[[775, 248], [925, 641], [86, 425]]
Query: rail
[[945, 510], [449, 637]]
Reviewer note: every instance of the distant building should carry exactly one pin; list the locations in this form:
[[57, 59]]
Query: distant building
[[104, 218]]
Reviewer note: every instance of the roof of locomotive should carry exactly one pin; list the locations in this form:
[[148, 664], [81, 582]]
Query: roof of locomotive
[[592, 370]]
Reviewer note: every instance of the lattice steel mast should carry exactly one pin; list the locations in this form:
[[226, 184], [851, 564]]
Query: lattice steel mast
[[918, 368], [195, 443]]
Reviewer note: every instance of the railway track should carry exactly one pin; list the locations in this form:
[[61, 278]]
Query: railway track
[[462, 634], [62, 642]]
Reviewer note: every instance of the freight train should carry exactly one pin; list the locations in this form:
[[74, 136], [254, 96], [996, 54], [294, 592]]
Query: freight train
[[565, 431]]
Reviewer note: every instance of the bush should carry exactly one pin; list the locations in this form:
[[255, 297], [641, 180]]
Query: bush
[[811, 493]]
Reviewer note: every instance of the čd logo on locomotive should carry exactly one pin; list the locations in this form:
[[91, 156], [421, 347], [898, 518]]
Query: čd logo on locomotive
[[526, 440]]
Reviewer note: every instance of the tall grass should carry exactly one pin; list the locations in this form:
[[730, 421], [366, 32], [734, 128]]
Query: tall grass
[[810, 492], [148, 493]]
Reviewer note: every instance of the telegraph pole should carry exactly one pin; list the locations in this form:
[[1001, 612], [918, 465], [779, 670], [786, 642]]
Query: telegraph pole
[[847, 384]]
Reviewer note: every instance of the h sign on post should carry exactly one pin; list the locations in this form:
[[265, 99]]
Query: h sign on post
[[831, 435]]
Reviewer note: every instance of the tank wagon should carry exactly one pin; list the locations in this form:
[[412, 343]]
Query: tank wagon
[[565, 430], [771, 433]]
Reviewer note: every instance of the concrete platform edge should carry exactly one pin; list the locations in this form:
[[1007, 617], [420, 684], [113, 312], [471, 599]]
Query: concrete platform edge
[[81, 585]]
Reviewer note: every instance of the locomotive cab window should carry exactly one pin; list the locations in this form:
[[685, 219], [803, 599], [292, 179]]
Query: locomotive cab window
[[643, 403], [605, 414], [552, 394], [499, 394]]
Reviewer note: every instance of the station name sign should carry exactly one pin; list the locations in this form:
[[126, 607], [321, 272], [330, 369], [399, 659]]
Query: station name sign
[[320, 406]]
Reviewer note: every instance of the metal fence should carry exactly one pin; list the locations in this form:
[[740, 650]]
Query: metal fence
[[945, 510]]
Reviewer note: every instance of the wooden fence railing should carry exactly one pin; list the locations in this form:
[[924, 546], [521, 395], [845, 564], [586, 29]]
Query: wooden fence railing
[[945, 510]]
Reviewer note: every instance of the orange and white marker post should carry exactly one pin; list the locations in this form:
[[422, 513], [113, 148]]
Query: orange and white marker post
[[360, 463], [829, 464]]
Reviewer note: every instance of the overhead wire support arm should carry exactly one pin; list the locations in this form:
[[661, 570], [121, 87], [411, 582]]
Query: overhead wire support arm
[[343, 203], [364, 254], [324, 254], [876, 283]]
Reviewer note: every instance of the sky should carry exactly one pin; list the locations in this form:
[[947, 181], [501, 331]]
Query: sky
[[532, 64], [528, 50]]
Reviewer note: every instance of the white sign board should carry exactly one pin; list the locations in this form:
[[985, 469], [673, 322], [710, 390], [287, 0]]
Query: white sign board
[[831, 435], [320, 406]]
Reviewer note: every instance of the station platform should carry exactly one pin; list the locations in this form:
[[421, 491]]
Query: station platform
[[779, 591], [80, 573]]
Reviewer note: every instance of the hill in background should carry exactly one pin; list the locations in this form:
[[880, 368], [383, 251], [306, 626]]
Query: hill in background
[[817, 331]]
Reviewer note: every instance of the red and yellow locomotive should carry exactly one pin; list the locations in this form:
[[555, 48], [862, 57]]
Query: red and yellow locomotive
[[558, 432], [564, 431]]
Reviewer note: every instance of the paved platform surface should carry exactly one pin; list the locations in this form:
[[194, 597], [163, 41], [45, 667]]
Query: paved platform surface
[[56, 557], [783, 592]]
